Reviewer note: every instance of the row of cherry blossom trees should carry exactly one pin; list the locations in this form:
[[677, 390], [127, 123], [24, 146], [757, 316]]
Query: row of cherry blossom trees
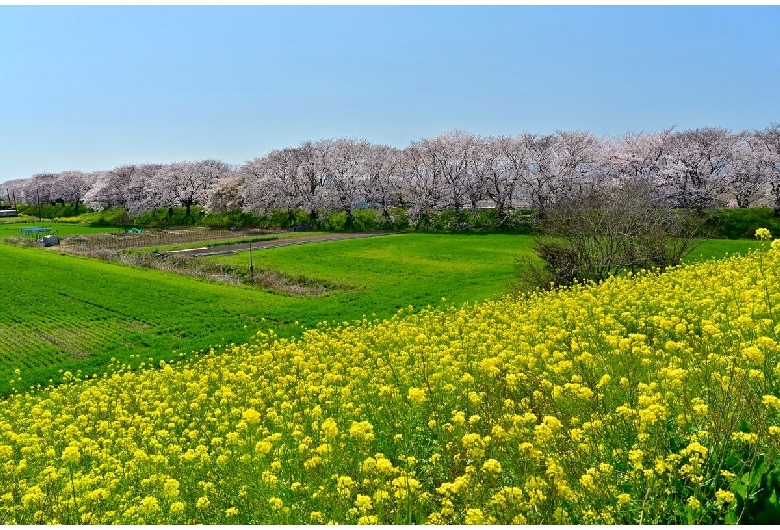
[[136, 188], [454, 171], [67, 186]]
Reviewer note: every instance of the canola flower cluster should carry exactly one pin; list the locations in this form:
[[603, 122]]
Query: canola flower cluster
[[638, 400]]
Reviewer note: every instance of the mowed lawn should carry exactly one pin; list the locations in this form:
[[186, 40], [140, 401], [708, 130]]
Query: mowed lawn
[[62, 312]]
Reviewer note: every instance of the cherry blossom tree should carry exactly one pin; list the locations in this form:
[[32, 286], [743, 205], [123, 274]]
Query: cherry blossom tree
[[42, 188], [114, 188], [504, 160], [226, 195], [540, 176], [185, 183], [770, 140], [271, 182], [14, 190], [423, 183], [696, 166], [71, 186], [749, 161], [310, 178], [454, 170], [344, 172], [142, 191], [476, 154], [440, 173], [454, 163], [383, 187], [577, 154], [636, 157]]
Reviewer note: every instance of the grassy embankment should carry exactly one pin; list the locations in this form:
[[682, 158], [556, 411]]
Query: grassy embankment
[[63, 312], [640, 400], [67, 313]]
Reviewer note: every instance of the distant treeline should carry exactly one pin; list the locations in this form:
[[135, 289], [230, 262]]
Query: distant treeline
[[456, 172]]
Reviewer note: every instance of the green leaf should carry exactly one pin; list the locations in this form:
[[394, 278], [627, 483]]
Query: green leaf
[[739, 488]]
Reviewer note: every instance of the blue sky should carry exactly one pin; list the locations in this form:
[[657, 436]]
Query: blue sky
[[92, 87]]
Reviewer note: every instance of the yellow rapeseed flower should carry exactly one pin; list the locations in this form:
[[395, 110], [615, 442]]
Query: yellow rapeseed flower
[[362, 430], [722, 496], [475, 516], [150, 505], [363, 503], [251, 416], [416, 395], [492, 466], [763, 234], [329, 428]]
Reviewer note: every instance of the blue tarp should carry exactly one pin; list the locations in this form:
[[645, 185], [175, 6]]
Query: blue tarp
[[34, 231]]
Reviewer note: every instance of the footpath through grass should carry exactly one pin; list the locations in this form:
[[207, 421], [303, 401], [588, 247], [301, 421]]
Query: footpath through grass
[[63, 312]]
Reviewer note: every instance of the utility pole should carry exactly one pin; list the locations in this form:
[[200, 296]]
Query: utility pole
[[38, 195], [251, 265]]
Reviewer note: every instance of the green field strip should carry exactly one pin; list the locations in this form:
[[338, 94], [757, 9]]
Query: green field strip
[[66, 312]]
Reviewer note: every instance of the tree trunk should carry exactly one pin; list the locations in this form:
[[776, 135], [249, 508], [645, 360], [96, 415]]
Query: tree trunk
[[350, 222], [386, 221]]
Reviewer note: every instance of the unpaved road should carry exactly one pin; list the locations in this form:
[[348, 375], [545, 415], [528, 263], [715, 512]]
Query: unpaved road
[[281, 242]]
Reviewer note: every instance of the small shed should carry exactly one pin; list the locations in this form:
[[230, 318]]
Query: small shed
[[50, 240]]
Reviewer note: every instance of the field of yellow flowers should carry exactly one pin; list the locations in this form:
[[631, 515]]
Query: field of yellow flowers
[[645, 399]]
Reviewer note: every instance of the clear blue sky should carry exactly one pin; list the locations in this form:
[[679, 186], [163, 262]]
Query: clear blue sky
[[95, 87]]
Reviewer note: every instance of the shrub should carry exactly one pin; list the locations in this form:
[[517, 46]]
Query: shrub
[[597, 233], [741, 223]]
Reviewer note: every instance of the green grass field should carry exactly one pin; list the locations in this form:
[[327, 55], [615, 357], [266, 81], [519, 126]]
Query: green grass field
[[62, 312], [11, 229], [721, 248]]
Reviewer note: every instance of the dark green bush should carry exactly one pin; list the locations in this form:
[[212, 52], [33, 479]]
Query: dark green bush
[[741, 223]]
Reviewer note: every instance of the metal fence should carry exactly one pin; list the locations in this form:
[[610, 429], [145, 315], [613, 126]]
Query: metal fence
[[152, 238]]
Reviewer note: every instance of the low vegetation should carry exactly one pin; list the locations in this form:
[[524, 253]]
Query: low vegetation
[[725, 223], [65, 312], [601, 232], [199, 267], [650, 398]]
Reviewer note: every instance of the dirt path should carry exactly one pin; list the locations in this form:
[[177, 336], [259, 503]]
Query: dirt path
[[281, 242]]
